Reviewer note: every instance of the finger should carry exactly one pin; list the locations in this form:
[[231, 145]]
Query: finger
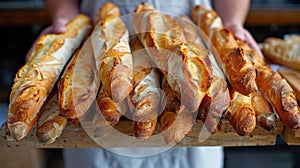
[[240, 35], [59, 26], [238, 31], [46, 31], [252, 43]]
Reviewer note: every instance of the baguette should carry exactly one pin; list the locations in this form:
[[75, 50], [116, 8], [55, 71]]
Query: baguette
[[238, 69], [79, 84], [206, 19], [35, 80], [144, 127], [281, 96], [109, 30], [175, 126], [214, 105], [115, 59], [110, 113], [75, 101], [50, 125], [108, 10], [240, 113], [180, 62], [190, 31], [276, 90], [217, 99], [144, 99], [176, 121], [265, 115], [115, 63]]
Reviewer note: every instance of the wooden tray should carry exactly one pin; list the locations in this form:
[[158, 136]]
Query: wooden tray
[[76, 137], [290, 136]]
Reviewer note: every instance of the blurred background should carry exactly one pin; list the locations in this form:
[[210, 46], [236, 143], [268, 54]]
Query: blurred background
[[22, 20]]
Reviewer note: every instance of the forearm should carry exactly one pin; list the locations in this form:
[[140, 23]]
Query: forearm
[[62, 9], [232, 11]]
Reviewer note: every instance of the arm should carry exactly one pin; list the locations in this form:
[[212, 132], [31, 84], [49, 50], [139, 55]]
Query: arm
[[232, 11], [60, 12], [233, 14]]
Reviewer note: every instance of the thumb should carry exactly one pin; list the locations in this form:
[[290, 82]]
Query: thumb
[[236, 29], [240, 35], [59, 26]]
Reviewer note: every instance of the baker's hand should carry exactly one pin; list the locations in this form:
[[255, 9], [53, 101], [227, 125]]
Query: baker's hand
[[241, 33], [58, 26]]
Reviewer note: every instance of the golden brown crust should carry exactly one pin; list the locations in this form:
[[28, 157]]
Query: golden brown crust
[[190, 30], [275, 89], [50, 125], [35, 80], [206, 19], [280, 94], [116, 73], [145, 96], [241, 114], [217, 99], [265, 115], [114, 60], [181, 63], [79, 84], [175, 126], [141, 62], [283, 52], [251, 53], [106, 11], [109, 109], [107, 33], [214, 105], [171, 101], [197, 74], [144, 7], [143, 129], [175, 121], [49, 131], [109, 113], [237, 67], [113, 55], [80, 22]]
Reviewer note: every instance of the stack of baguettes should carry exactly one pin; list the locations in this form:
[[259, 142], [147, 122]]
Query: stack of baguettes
[[255, 89], [185, 66], [35, 80], [123, 74]]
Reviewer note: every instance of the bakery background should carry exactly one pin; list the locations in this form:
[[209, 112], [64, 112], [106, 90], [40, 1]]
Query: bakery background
[[21, 22]]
